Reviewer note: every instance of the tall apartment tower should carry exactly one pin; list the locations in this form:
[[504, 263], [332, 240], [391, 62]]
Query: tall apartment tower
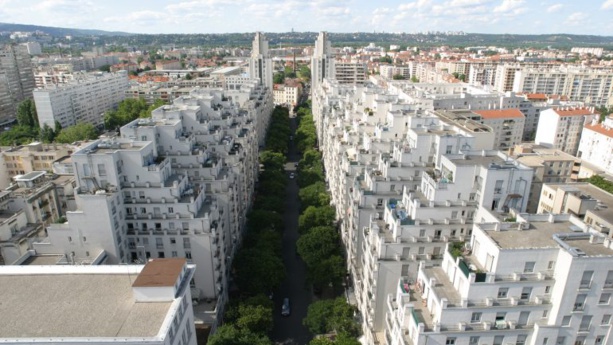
[[260, 64], [322, 62], [16, 80]]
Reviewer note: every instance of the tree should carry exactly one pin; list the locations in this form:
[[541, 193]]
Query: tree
[[270, 203], [316, 216], [385, 59], [47, 134], [278, 78], [231, 335], [26, 114], [398, 77], [257, 319], [258, 270], [318, 244], [19, 135], [331, 315], [314, 195], [304, 73], [414, 79], [328, 272], [272, 160], [259, 219], [105, 68], [80, 131]]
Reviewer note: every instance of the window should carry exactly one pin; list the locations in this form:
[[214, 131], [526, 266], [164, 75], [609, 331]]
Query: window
[[171, 210], [561, 340], [525, 293], [547, 289], [188, 255], [500, 316], [606, 319], [174, 254], [498, 339], [608, 283], [566, 320], [159, 244], [604, 298], [473, 341], [586, 321], [498, 187], [545, 313], [101, 170], [69, 238], [521, 339], [450, 341], [599, 339], [145, 241], [545, 340], [422, 233], [551, 265], [476, 317], [579, 302], [586, 280], [186, 243], [161, 255], [503, 292], [529, 267], [173, 240]]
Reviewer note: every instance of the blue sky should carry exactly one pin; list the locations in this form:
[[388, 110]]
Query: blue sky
[[221, 16]]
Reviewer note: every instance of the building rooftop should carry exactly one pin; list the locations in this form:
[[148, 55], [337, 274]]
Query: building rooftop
[[484, 161], [499, 114], [604, 208], [599, 128], [75, 301], [571, 111], [158, 272]]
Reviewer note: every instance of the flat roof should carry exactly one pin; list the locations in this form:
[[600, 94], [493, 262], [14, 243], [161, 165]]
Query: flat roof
[[484, 161], [538, 235], [604, 208], [160, 272], [500, 113], [76, 305], [590, 249]]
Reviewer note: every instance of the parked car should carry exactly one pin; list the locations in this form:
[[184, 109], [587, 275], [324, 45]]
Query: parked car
[[292, 175], [285, 309]]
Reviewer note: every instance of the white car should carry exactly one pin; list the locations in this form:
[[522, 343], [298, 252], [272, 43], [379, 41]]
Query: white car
[[285, 310], [291, 175]]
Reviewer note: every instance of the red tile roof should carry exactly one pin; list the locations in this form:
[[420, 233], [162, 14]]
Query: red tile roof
[[499, 113], [160, 272], [564, 111], [599, 128]]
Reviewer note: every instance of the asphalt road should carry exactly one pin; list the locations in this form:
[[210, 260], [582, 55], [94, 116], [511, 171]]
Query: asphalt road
[[289, 329]]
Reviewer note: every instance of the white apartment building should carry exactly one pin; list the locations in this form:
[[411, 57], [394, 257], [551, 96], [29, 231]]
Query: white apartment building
[[322, 61], [16, 80], [135, 304], [542, 279], [389, 71], [403, 181], [33, 48], [596, 144], [594, 86], [85, 99], [549, 165], [350, 72], [506, 124], [561, 128], [260, 64], [176, 185], [42, 79]]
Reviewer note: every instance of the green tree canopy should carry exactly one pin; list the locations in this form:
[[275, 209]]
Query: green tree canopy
[[19, 135], [80, 131], [314, 195], [278, 78], [257, 319], [26, 114], [258, 270], [316, 216], [331, 315], [318, 244], [259, 219], [272, 160], [231, 335]]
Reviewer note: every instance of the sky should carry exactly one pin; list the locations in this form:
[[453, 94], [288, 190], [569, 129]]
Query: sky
[[224, 16]]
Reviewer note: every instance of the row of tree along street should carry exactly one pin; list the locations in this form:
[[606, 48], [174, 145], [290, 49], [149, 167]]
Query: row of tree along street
[[258, 266], [319, 245], [28, 128]]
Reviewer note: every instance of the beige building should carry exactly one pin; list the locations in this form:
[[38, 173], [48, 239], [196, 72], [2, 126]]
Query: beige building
[[508, 125], [24, 159], [583, 200], [288, 93], [550, 165], [561, 128]]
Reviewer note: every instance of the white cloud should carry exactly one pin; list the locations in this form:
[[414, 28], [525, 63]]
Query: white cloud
[[607, 5], [576, 17], [419, 4], [555, 8], [508, 6], [463, 3]]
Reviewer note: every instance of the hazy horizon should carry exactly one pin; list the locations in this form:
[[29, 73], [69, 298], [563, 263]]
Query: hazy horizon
[[590, 17]]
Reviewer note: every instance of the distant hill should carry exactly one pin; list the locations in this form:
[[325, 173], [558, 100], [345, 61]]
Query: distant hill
[[355, 39], [53, 31]]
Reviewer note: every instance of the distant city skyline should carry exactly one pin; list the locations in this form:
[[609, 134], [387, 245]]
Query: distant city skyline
[[590, 17]]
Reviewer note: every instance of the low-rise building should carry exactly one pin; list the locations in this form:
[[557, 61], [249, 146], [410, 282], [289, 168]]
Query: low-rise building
[[288, 93], [25, 159]]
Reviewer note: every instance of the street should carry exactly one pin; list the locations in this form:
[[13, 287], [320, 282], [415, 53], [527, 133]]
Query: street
[[289, 329]]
